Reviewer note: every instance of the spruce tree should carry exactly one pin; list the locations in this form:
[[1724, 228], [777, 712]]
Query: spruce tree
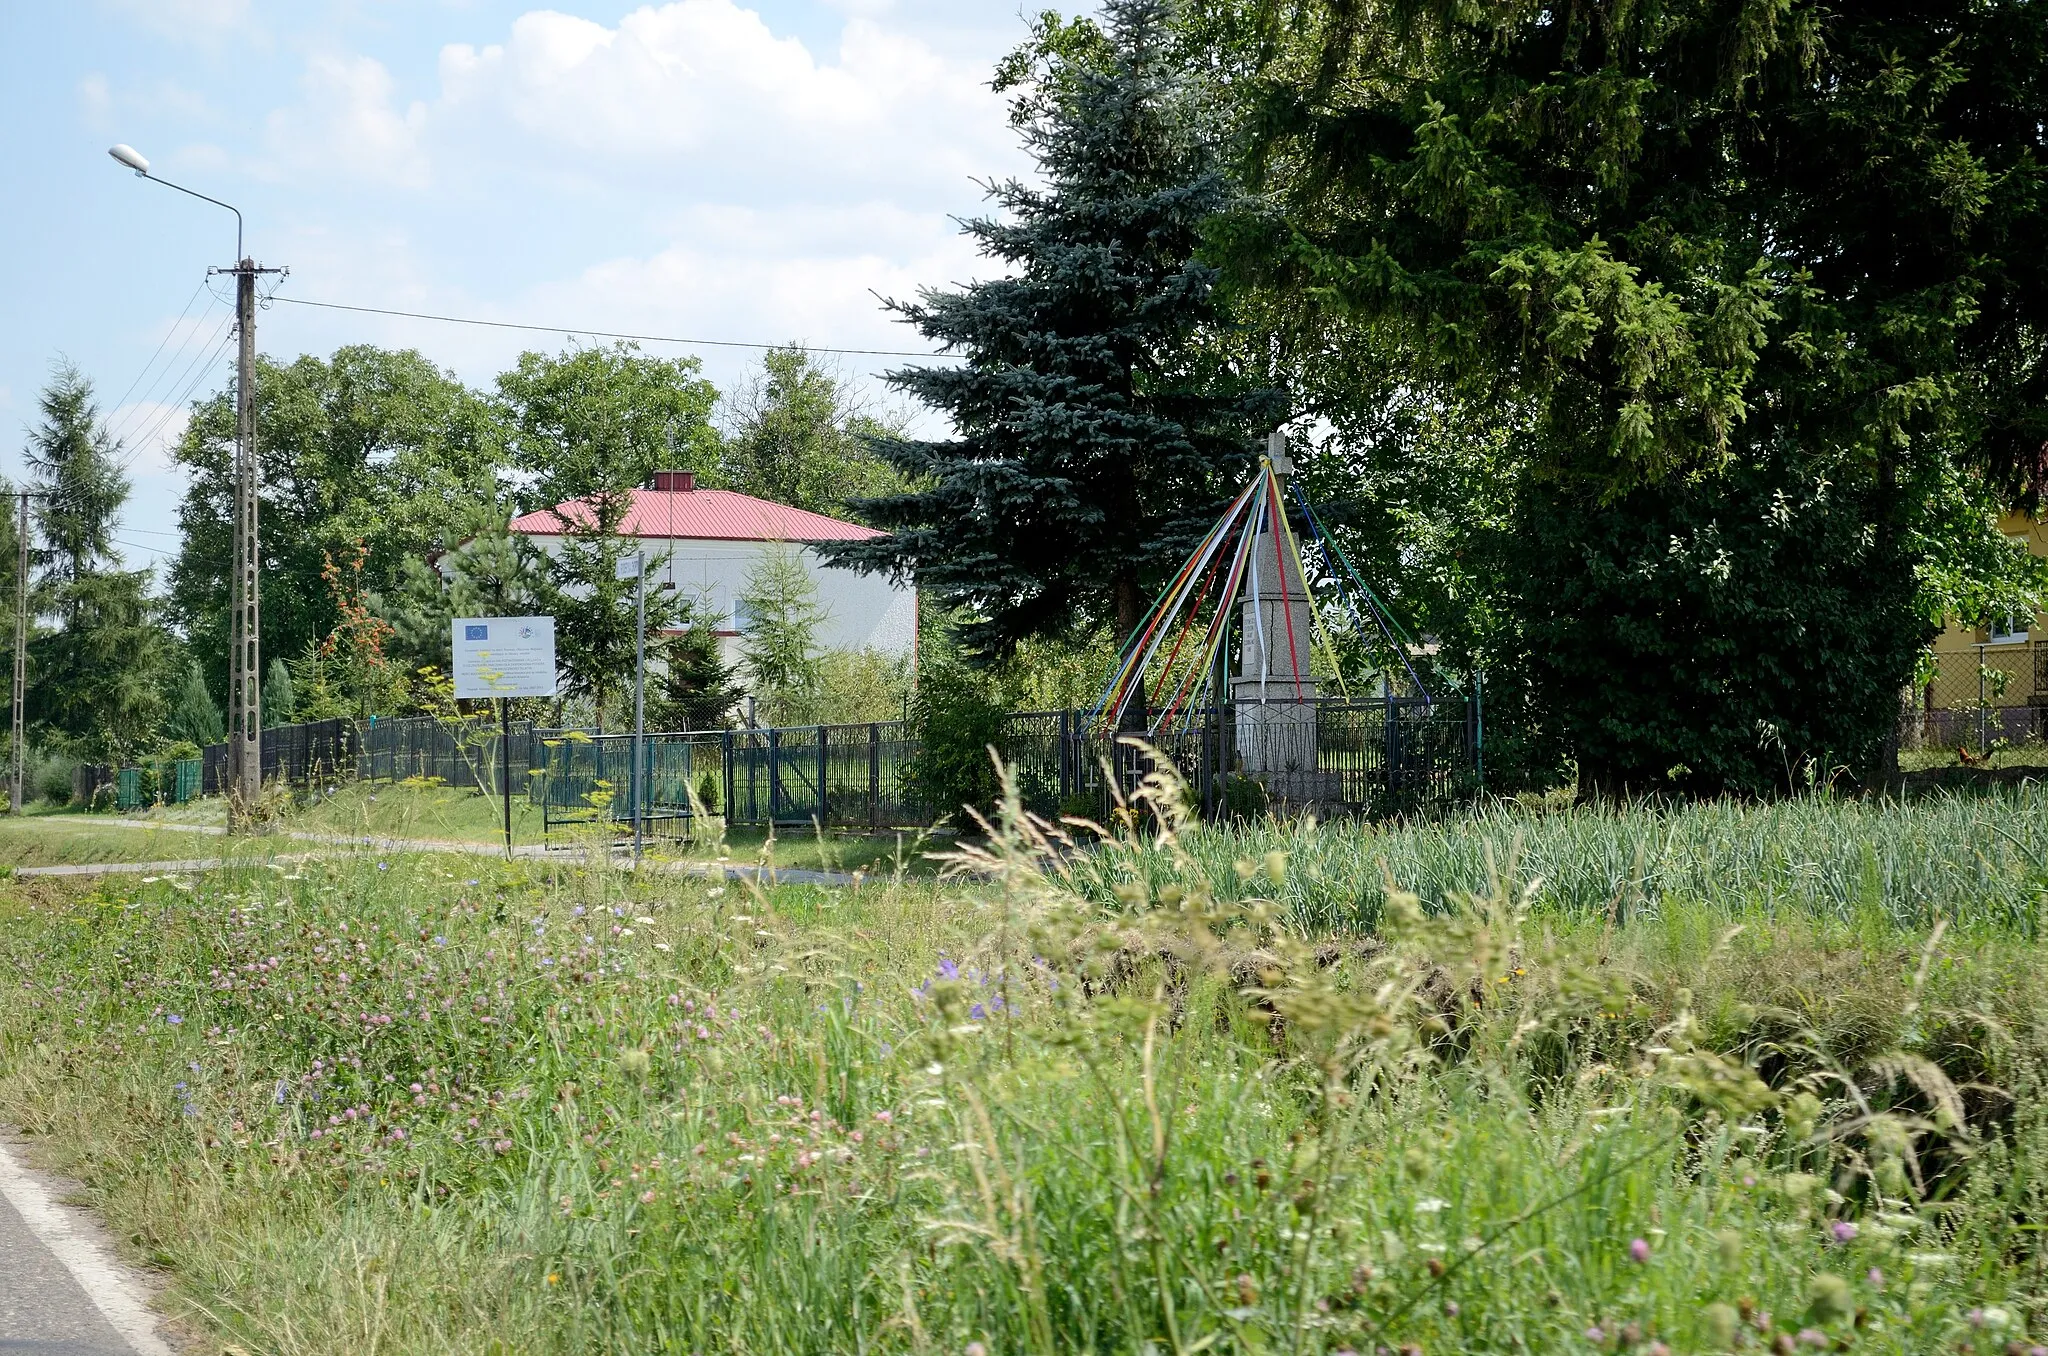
[[696, 689], [96, 679], [194, 715], [780, 616], [280, 699], [1099, 434]]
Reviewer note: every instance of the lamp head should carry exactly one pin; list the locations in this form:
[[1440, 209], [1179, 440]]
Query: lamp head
[[130, 157]]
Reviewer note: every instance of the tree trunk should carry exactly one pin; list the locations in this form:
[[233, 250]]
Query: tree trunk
[[1130, 614]]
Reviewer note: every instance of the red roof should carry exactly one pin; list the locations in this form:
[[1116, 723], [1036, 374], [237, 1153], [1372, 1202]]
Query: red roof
[[708, 515]]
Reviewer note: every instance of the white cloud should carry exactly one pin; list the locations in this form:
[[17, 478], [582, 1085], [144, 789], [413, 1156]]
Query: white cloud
[[348, 123], [704, 88], [684, 171]]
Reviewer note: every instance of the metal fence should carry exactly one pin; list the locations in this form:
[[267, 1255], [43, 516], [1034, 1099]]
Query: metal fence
[[297, 755], [1395, 755], [1981, 694], [172, 782]]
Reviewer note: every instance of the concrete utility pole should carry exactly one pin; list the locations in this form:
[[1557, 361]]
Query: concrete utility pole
[[245, 655], [14, 794], [245, 650]]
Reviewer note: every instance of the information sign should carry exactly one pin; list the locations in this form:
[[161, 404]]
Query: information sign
[[504, 656]]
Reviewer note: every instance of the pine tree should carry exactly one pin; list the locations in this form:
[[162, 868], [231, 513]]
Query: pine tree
[[1099, 435]]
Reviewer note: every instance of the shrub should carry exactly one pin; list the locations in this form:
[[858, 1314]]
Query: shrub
[[53, 777], [954, 723]]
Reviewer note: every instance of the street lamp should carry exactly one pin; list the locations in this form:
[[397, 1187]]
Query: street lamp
[[135, 160], [245, 671]]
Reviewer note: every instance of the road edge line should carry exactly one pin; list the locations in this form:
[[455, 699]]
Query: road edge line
[[103, 1278]]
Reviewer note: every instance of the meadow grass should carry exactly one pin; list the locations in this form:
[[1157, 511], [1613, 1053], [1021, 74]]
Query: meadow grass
[[1068, 1104]]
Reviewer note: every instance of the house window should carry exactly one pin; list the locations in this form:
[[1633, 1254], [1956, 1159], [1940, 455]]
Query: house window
[[2008, 629], [742, 615]]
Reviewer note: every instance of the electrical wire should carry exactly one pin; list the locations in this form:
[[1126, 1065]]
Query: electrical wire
[[614, 334], [200, 371], [133, 436], [140, 408], [123, 401]]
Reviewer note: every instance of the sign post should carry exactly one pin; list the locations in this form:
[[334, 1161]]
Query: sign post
[[504, 657]]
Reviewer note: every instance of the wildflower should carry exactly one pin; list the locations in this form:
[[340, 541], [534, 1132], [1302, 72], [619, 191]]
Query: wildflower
[[1596, 1334], [975, 1349], [383, 866], [173, 1019], [1813, 1337], [1451, 1309], [1876, 1279], [1639, 1249], [1429, 1205], [1843, 1231]]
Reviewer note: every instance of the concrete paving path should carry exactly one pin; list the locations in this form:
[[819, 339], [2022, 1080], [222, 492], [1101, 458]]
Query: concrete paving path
[[62, 1291]]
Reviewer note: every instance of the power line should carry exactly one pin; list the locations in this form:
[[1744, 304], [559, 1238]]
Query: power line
[[164, 385], [172, 409], [614, 334], [137, 408], [160, 345]]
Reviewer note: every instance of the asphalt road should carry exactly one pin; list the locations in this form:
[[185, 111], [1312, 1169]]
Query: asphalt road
[[62, 1290]]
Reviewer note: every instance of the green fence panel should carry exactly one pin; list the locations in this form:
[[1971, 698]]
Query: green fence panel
[[185, 776]]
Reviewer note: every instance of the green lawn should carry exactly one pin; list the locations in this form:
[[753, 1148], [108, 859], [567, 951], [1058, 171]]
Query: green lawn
[[444, 814], [1187, 1099], [67, 840]]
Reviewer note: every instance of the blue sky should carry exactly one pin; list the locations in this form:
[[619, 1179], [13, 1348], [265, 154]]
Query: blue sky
[[734, 169]]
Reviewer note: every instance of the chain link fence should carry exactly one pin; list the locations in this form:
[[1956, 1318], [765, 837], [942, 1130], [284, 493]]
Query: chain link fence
[[1981, 695]]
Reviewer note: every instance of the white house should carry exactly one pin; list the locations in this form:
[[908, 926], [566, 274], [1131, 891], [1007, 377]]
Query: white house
[[704, 542]]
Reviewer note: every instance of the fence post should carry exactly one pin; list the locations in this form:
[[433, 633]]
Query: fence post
[[1392, 720], [1062, 757], [774, 774], [874, 775], [725, 751], [824, 804]]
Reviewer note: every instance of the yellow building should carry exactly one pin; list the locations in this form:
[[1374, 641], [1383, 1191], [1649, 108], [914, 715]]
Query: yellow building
[[1990, 682]]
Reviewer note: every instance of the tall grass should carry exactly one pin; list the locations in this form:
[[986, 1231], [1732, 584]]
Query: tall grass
[[1978, 861], [411, 1105]]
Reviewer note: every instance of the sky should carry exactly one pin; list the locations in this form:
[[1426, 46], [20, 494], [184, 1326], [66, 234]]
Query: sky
[[755, 170]]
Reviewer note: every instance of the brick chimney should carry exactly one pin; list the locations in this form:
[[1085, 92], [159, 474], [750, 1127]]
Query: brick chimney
[[675, 480]]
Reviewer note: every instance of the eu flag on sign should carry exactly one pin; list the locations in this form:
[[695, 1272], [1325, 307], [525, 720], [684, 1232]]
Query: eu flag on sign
[[476, 633]]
